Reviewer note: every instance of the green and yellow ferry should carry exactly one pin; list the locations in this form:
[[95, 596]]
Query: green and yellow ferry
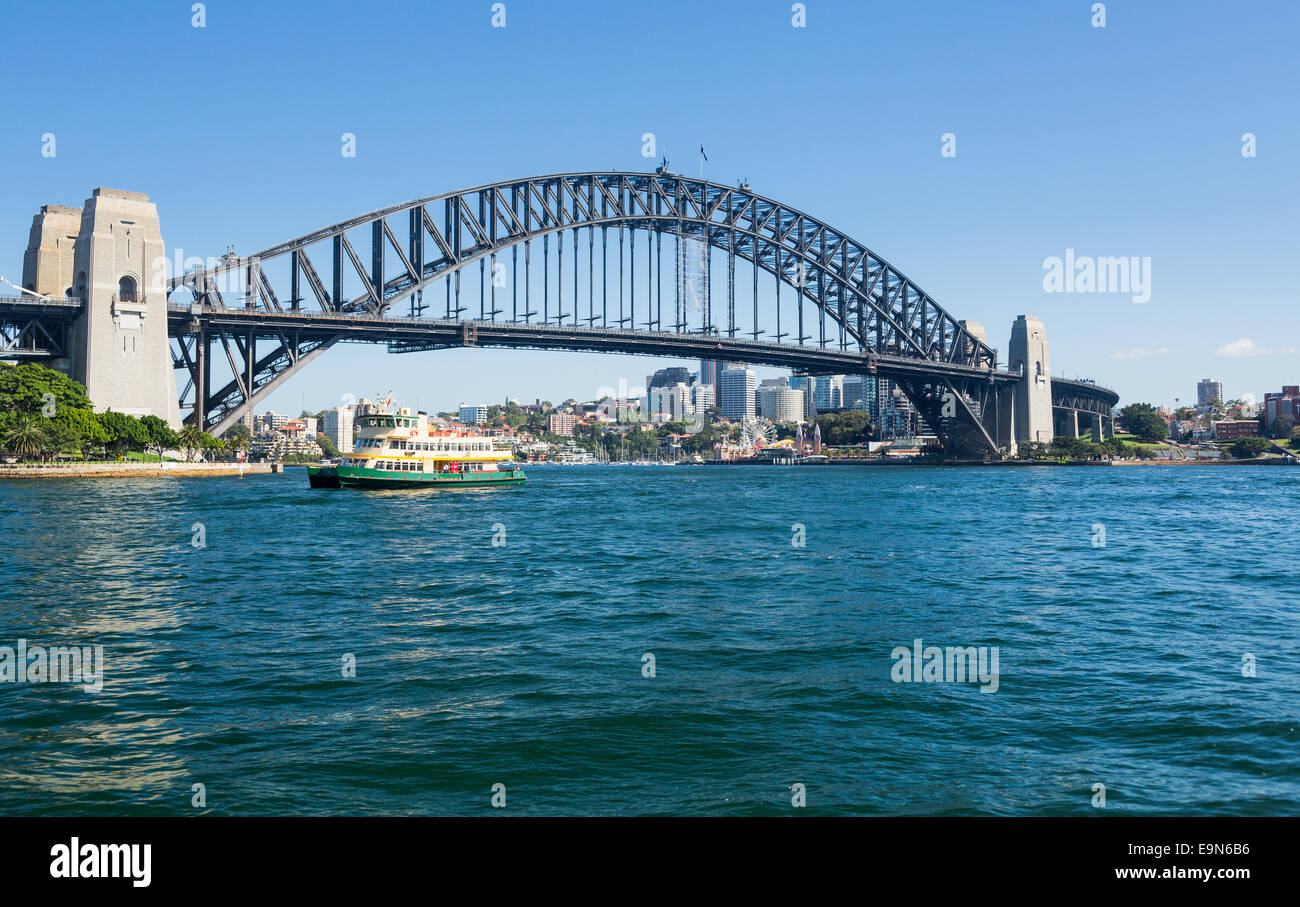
[[401, 450]]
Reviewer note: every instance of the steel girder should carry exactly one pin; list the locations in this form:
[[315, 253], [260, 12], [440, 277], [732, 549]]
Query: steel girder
[[1083, 396], [31, 328]]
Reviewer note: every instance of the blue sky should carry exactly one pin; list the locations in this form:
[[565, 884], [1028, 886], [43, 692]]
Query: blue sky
[[1116, 141]]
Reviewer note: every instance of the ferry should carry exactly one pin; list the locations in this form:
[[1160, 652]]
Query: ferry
[[401, 450]]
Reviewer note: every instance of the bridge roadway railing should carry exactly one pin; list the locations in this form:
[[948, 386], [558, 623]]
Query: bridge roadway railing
[[414, 334], [1083, 395], [31, 307]]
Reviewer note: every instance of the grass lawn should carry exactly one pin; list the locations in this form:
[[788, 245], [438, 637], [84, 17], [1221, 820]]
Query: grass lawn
[[1130, 439]]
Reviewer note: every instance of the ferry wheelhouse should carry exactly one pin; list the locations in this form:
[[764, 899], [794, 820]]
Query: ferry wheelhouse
[[401, 450]]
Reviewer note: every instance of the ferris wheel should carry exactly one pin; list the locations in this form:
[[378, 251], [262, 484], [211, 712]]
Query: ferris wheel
[[758, 432]]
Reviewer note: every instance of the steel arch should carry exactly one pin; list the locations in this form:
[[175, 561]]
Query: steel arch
[[880, 308], [875, 308]]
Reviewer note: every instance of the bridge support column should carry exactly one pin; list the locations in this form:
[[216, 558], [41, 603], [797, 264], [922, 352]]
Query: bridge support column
[[1099, 428], [1005, 410], [1072, 424], [1028, 355], [115, 263]]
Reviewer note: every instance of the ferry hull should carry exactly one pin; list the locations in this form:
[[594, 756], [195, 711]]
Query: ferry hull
[[360, 477], [322, 477]]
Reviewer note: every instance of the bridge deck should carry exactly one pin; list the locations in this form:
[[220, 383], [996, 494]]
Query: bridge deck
[[414, 334]]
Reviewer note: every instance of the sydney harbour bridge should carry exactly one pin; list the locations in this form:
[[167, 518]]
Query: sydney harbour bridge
[[572, 261]]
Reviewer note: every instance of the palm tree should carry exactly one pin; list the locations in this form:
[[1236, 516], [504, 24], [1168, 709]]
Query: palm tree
[[25, 437], [191, 439]]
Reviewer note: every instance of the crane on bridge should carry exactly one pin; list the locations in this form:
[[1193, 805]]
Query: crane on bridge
[[40, 296]]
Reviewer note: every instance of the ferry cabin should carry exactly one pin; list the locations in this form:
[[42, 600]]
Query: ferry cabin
[[403, 442]]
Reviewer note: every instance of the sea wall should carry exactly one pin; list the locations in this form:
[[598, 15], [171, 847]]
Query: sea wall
[[128, 469]]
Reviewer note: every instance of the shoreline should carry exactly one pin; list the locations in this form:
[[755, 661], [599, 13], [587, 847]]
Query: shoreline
[[132, 470], [1262, 461]]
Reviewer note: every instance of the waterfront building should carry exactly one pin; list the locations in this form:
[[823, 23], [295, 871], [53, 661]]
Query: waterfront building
[[667, 377], [473, 413], [1208, 389], [1286, 403], [291, 439], [829, 393], [561, 423], [703, 397], [271, 421], [365, 407], [806, 385], [780, 403], [736, 393], [336, 424], [670, 403], [897, 417], [1227, 429], [859, 392]]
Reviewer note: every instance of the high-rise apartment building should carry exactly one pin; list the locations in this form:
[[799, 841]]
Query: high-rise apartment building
[[1208, 389], [736, 393], [473, 413], [336, 424]]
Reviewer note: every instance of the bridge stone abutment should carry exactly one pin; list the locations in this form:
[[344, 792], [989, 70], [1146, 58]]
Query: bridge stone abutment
[[110, 254]]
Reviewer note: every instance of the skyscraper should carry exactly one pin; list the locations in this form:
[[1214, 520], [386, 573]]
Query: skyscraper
[[859, 391], [336, 424], [1208, 389], [806, 385], [736, 393], [829, 394], [710, 369], [780, 403]]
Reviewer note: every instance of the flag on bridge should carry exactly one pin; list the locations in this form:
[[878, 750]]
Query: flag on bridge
[[702, 154]]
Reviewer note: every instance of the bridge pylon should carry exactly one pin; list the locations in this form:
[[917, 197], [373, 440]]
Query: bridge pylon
[[110, 255], [1031, 418]]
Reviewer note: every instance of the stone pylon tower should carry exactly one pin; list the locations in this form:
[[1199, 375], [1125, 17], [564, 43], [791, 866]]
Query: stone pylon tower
[[48, 261], [1027, 353], [115, 262]]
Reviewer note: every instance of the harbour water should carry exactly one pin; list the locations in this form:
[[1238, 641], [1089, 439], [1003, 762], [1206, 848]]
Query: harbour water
[[500, 637]]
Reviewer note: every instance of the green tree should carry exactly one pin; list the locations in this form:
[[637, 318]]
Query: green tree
[[123, 433], [1032, 450], [25, 437], [1143, 421], [87, 427], [191, 441], [159, 435], [851, 427], [1073, 448], [213, 447], [1248, 448], [1283, 425], [59, 438], [23, 388]]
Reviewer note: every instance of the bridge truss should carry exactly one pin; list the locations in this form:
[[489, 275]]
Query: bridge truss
[[845, 309]]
